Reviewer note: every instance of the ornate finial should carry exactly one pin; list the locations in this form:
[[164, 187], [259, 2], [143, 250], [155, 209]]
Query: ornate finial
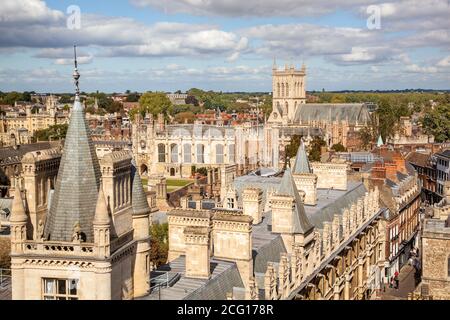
[[76, 75], [274, 67]]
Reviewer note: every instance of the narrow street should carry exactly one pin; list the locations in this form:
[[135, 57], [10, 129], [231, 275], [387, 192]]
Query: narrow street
[[406, 285]]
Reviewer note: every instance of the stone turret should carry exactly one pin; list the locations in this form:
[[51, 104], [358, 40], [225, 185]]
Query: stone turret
[[18, 222], [102, 226], [141, 227], [288, 214], [304, 179]]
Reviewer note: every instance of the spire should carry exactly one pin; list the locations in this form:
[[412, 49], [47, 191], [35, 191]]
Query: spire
[[288, 188], [18, 209], [76, 75], [76, 189], [139, 201], [101, 210], [274, 66], [301, 164], [380, 141]]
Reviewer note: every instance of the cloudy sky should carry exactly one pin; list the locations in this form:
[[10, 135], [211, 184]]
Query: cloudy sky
[[226, 45]]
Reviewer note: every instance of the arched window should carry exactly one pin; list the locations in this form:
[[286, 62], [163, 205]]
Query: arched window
[[187, 158], [174, 153], [287, 90], [161, 153], [231, 153], [200, 153], [278, 89], [219, 153], [282, 89]]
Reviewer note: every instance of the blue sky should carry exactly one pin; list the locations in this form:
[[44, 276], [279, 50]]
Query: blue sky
[[226, 45]]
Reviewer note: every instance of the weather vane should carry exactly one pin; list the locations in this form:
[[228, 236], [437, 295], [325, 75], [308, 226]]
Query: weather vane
[[76, 75]]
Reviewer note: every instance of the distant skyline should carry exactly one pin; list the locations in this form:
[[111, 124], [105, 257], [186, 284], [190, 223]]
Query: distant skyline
[[226, 45]]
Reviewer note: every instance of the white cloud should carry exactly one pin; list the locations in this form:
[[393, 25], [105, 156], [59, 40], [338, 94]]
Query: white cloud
[[445, 62], [27, 11], [257, 8], [69, 61]]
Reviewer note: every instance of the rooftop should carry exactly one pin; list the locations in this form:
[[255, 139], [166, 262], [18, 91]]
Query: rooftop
[[266, 245]]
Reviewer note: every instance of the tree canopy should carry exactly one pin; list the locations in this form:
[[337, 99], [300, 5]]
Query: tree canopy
[[152, 102], [55, 132], [437, 123]]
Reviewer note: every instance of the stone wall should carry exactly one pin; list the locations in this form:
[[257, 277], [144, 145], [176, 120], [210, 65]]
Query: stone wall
[[435, 257], [330, 175]]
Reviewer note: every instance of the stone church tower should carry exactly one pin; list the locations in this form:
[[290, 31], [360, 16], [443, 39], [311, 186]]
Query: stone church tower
[[94, 243], [288, 87]]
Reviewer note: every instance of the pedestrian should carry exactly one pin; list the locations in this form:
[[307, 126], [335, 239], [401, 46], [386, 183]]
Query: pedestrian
[[391, 282], [396, 280]]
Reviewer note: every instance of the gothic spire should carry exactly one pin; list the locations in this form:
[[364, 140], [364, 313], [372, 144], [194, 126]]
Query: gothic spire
[[288, 188], [18, 209], [139, 201], [301, 164], [101, 210], [76, 189]]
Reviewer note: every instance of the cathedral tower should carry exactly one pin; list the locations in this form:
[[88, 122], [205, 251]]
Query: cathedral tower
[[288, 92]]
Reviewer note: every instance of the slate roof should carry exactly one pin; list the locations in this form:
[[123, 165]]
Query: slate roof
[[77, 185], [353, 112], [287, 187], [301, 164], [139, 201]]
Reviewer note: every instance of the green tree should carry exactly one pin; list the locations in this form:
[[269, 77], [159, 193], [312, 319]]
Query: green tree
[[315, 148], [132, 97], [437, 123], [152, 102], [338, 147], [290, 151], [159, 243], [55, 132], [65, 98], [11, 97]]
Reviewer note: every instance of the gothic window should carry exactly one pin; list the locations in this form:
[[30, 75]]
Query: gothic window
[[219, 153], [230, 203], [231, 155], [282, 89], [187, 153], [60, 289], [278, 89], [174, 153], [200, 153], [161, 153]]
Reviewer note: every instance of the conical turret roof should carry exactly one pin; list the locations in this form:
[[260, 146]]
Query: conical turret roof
[[301, 164], [139, 201], [101, 209], [288, 188], [18, 213], [76, 190]]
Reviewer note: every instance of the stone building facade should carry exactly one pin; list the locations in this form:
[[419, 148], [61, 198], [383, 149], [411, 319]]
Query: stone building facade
[[273, 245], [83, 233], [436, 252], [173, 150], [18, 128]]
